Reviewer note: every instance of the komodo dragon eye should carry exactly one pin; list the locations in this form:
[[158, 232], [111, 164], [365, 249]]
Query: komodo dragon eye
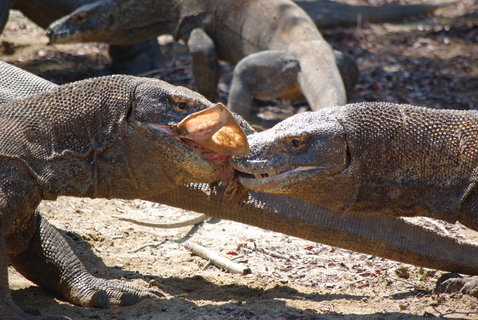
[[79, 18], [297, 143], [181, 107], [182, 104]]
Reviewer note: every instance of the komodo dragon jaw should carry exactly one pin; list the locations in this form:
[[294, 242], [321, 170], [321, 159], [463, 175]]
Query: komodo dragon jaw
[[296, 152]]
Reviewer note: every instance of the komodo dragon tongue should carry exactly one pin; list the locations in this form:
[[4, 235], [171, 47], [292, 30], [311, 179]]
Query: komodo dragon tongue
[[215, 129]]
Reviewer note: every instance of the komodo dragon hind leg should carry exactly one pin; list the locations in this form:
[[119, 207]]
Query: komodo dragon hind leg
[[264, 75], [51, 263], [271, 74], [204, 63]]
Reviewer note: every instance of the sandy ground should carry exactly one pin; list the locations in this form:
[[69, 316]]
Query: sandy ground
[[431, 61]]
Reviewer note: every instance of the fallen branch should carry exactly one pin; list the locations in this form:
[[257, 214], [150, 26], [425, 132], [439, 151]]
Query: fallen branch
[[216, 259], [275, 254], [151, 245], [186, 223]]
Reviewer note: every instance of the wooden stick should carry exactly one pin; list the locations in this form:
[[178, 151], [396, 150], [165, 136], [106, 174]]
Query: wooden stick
[[189, 222], [216, 259], [276, 254]]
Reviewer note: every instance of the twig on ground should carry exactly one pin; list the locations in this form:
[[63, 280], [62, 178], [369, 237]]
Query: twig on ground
[[275, 254], [216, 259], [180, 224], [152, 245]]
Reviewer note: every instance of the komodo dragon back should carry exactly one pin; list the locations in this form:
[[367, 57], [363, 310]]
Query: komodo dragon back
[[419, 161], [16, 83]]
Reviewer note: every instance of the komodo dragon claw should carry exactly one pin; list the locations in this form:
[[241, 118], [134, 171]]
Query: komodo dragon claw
[[453, 282]]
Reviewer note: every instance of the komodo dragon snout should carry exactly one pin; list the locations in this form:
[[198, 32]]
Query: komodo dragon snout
[[303, 150]]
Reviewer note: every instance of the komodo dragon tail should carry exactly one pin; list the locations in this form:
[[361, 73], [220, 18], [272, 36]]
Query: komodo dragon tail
[[327, 13], [374, 234]]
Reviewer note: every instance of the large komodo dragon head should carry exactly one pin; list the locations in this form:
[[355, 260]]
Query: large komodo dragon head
[[116, 22], [305, 156], [119, 136]]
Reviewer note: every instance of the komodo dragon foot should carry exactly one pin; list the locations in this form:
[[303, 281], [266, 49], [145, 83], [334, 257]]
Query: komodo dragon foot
[[453, 282], [50, 262]]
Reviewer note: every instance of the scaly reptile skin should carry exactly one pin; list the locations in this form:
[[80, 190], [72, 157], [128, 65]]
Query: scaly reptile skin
[[93, 138], [16, 83], [379, 158], [378, 235], [277, 48]]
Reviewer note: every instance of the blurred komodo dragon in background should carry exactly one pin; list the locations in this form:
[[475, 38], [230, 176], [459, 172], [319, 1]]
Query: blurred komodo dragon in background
[[275, 45], [141, 57], [374, 234], [379, 158], [135, 58]]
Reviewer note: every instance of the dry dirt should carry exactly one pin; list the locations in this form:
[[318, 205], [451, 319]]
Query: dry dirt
[[431, 61]]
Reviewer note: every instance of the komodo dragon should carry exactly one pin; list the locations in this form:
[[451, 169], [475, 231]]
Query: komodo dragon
[[325, 14], [374, 234], [110, 137], [275, 45], [135, 58], [380, 158]]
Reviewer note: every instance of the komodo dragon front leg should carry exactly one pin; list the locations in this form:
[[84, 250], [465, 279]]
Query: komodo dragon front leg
[[379, 158], [111, 137], [41, 254]]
